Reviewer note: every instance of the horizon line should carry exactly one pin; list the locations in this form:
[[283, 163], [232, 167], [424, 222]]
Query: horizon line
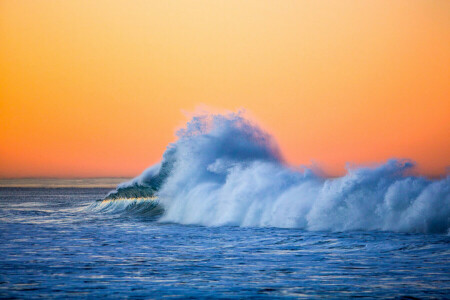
[[94, 182]]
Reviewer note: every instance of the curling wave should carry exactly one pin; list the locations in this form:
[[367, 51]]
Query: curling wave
[[225, 170], [149, 208]]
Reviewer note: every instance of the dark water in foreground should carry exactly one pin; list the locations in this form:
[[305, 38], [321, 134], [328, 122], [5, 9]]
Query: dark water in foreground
[[52, 246]]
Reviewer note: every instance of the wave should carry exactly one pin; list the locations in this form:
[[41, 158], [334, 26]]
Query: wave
[[225, 170], [149, 208]]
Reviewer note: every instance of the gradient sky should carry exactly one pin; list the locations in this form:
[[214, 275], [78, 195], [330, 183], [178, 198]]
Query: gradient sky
[[97, 88]]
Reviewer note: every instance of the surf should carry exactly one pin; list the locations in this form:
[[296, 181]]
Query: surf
[[225, 170], [148, 207]]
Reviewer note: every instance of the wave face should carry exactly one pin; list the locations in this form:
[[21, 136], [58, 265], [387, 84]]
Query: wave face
[[225, 170], [149, 208]]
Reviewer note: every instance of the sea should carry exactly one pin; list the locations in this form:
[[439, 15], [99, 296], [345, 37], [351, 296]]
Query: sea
[[54, 245]]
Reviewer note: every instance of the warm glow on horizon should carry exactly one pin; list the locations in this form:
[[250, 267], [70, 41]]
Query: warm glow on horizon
[[97, 88]]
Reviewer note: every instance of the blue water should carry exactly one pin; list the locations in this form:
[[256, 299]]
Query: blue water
[[53, 246]]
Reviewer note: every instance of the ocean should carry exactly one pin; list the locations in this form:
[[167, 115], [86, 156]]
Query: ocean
[[55, 245]]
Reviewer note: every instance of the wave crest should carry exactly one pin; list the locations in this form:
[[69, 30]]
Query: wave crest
[[142, 207], [225, 170]]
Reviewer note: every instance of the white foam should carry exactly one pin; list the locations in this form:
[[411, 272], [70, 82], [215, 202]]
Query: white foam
[[228, 171]]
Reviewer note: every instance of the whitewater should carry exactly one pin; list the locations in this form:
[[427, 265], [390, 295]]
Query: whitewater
[[224, 170]]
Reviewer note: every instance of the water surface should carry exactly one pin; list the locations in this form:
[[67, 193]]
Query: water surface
[[53, 245]]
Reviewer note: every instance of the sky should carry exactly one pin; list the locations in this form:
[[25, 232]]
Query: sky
[[98, 88]]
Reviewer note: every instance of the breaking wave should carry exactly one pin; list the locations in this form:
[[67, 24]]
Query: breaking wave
[[225, 170], [143, 207]]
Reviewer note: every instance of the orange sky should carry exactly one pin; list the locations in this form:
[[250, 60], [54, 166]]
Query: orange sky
[[96, 88]]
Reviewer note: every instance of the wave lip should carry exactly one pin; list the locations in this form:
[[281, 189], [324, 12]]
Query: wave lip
[[143, 207], [225, 170]]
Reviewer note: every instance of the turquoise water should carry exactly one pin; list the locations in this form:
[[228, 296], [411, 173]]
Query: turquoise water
[[53, 246]]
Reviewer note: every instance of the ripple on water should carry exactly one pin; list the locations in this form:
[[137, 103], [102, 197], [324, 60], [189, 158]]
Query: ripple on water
[[53, 247]]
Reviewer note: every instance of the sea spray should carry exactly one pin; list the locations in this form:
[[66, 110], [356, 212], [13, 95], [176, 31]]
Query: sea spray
[[225, 170]]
